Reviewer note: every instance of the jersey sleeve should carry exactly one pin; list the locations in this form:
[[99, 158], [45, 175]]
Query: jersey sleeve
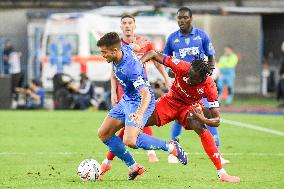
[[135, 76], [168, 48], [178, 66], [207, 45], [212, 94]]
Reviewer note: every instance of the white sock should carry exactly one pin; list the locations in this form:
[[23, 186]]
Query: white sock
[[221, 171], [107, 162], [151, 152], [132, 167], [171, 147]]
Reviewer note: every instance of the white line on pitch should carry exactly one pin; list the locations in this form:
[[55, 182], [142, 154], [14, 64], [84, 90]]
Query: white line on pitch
[[136, 152], [252, 126]]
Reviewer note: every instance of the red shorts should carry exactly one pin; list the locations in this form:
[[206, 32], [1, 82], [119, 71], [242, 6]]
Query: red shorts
[[119, 92], [168, 109]]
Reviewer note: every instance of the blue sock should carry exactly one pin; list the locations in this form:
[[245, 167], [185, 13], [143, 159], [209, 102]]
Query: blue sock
[[176, 131], [214, 132], [117, 147], [148, 142]]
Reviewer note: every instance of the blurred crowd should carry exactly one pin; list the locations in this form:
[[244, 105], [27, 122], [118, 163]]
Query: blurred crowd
[[68, 95]]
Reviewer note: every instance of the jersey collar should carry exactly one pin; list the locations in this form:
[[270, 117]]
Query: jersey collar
[[193, 31]]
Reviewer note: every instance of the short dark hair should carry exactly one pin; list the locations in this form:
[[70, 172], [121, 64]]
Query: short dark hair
[[110, 40], [186, 10], [127, 16], [229, 46], [36, 82], [202, 67]]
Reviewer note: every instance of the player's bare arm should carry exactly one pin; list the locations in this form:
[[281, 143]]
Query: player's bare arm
[[162, 70], [113, 85], [145, 101], [154, 56], [211, 61], [213, 120]]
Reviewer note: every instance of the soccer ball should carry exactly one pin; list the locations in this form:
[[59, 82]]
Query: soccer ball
[[89, 169]]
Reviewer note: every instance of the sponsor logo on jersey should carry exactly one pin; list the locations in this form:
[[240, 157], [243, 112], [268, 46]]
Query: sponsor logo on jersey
[[139, 82], [188, 51], [200, 91]]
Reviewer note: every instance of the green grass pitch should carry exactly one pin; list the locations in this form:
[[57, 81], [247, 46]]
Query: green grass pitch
[[42, 149]]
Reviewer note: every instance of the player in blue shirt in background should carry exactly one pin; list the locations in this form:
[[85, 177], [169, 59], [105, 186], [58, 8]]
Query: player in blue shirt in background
[[133, 110], [185, 44]]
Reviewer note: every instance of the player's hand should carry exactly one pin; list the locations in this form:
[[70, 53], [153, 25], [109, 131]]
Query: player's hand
[[136, 118], [198, 115], [28, 91], [114, 100], [141, 42], [168, 84]]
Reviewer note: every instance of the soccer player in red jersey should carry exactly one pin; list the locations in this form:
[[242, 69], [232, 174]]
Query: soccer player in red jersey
[[183, 103], [140, 45]]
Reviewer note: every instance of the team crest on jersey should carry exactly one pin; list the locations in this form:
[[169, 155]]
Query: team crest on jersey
[[187, 41], [176, 41], [175, 61], [200, 91]]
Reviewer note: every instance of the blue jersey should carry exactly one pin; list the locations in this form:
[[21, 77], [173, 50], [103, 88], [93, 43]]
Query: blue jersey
[[186, 47], [130, 74]]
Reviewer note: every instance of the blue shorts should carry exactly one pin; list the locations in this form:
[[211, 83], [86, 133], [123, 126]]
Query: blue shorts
[[124, 108]]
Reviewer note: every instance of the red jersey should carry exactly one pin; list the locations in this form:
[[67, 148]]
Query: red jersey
[[142, 51], [182, 92]]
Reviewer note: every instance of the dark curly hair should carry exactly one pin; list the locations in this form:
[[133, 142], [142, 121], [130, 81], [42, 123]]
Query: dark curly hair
[[202, 67]]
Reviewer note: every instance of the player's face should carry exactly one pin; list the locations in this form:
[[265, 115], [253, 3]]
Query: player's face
[[227, 51], [108, 53], [127, 26], [194, 77], [184, 20]]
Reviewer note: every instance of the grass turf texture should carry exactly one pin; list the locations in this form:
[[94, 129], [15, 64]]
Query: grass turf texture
[[40, 149]]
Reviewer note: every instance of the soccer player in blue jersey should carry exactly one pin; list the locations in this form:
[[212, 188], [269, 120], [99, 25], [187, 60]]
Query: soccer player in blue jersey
[[185, 44], [133, 110]]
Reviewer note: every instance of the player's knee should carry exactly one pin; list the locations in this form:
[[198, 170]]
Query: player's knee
[[102, 134], [130, 141], [195, 125]]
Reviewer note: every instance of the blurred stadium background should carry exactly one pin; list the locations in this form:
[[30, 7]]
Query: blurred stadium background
[[253, 27], [41, 149]]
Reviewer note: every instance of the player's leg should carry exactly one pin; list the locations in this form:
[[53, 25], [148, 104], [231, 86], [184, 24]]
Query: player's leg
[[152, 157], [163, 114], [112, 123], [220, 85], [210, 148], [133, 138], [213, 130], [230, 84], [106, 164], [175, 136], [176, 131]]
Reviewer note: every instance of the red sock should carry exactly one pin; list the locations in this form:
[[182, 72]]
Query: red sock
[[110, 155], [121, 133], [210, 148], [148, 130]]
